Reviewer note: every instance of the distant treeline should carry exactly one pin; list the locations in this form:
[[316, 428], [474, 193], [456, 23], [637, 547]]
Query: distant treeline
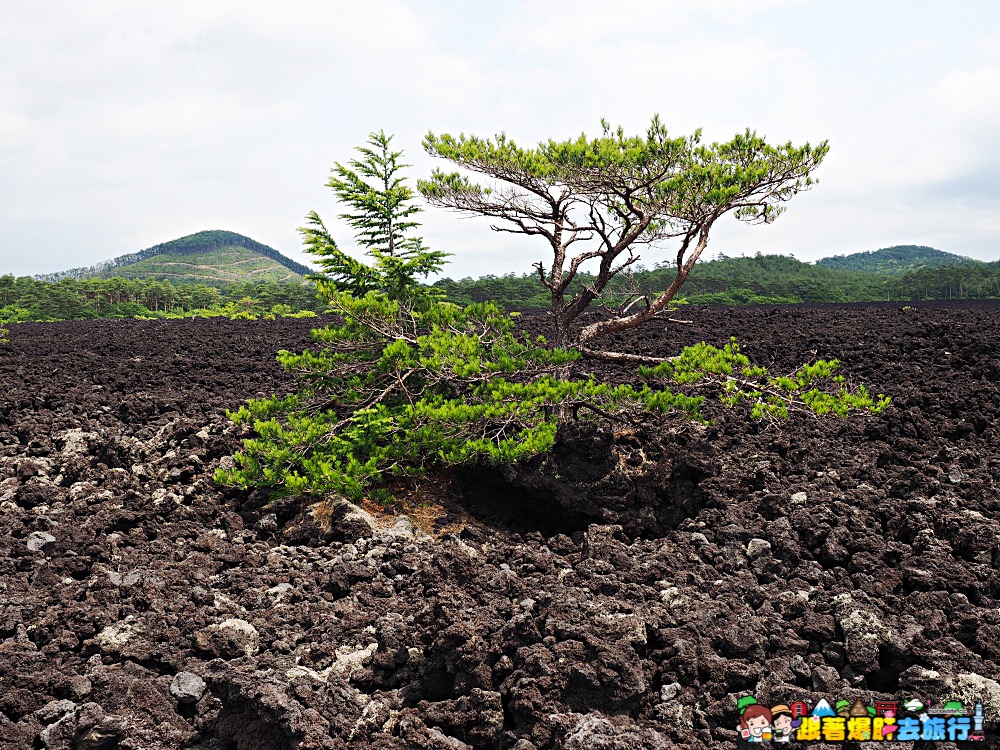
[[762, 279], [28, 299]]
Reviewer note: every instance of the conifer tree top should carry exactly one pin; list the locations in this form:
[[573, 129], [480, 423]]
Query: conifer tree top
[[380, 207]]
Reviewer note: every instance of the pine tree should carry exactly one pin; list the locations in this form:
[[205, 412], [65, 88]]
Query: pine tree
[[599, 202]]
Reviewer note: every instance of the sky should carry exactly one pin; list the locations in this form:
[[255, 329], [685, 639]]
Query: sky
[[124, 124]]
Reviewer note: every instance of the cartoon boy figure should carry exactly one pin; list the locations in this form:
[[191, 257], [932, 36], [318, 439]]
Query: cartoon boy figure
[[755, 723], [782, 724]]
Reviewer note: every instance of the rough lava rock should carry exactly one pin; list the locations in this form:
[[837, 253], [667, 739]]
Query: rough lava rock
[[622, 592]]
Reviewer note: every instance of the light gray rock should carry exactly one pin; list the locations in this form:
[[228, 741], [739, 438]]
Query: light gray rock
[[80, 686], [972, 686], [595, 732], [85, 727], [268, 522], [864, 631], [757, 548], [39, 540], [229, 639], [187, 687], [668, 692], [54, 710]]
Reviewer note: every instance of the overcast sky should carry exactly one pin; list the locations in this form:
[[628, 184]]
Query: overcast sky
[[126, 124]]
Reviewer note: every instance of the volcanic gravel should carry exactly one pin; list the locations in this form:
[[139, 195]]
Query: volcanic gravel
[[622, 592]]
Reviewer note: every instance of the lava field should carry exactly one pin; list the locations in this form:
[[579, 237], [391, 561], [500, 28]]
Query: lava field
[[622, 592]]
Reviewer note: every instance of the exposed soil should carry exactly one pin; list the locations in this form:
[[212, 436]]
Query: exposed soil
[[620, 593]]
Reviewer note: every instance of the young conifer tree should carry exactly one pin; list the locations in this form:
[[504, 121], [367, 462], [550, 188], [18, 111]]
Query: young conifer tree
[[380, 207]]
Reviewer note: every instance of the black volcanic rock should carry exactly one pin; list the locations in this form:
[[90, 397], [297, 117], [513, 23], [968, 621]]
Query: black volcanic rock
[[621, 592]]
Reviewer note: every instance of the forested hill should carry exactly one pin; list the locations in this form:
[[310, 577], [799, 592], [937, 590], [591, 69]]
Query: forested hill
[[775, 279], [897, 260], [212, 257], [761, 279]]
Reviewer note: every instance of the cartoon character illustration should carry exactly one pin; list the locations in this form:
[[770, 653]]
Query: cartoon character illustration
[[783, 725], [755, 723]]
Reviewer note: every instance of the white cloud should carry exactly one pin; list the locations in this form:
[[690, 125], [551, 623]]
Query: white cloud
[[125, 124]]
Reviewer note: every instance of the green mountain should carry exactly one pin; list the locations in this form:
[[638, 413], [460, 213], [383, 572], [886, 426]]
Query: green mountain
[[897, 260], [211, 257]]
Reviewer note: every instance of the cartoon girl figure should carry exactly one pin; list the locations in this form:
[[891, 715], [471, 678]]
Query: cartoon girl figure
[[782, 724], [755, 723]]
